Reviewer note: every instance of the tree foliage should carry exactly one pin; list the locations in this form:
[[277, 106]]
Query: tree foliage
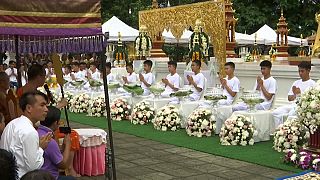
[[251, 14]]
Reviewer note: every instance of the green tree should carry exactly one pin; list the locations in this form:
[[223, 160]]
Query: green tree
[[299, 14], [251, 14]]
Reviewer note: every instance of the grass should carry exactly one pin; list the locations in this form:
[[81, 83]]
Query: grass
[[260, 153]]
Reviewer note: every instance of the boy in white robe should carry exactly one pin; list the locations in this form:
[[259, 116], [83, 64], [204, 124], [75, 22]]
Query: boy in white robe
[[267, 86], [297, 88], [93, 72], [76, 73], [197, 81], [230, 84], [147, 78], [131, 77], [172, 81]]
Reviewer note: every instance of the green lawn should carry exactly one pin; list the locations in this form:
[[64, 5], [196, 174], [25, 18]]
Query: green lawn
[[260, 153]]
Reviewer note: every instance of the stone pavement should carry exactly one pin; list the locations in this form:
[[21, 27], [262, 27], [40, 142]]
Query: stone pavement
[[139, 158]]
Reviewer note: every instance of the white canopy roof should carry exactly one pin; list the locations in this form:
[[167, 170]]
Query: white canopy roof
[[270, 36], [115, 25], [247, 39], [169, 38]]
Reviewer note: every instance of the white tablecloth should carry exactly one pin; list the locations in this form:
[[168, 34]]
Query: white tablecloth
[[119, 72], [91, 137], [158, 103], [186, 108], [221, 114], [262, 121]]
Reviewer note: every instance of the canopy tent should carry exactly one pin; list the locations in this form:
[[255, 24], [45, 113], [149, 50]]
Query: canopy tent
[[115, 25], [169, 38], [270, 36], [41, 26], [244, 39]]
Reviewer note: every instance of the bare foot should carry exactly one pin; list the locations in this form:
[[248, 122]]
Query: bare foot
[[73, 173]]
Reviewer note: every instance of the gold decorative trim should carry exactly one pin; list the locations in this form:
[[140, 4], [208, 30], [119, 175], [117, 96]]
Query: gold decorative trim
[[48, 14], [31, 25], [178, 18]]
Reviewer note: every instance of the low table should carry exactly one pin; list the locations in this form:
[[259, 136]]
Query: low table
[[262, 121], [90, 159]]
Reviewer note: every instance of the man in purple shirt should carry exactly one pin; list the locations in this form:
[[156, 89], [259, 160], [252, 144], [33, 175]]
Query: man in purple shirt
[[53, 159]]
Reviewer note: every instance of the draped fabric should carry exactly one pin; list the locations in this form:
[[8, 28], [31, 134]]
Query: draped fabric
[[46, 26]]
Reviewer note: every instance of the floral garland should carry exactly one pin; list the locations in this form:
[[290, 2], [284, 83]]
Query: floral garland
[[167, 118], [303, 159], [248, 58], [308, 109], [142, 113], [79, 103], [290, 135], [143, 44], [237, 130], [200, 123], [120, 110], [97, 107]]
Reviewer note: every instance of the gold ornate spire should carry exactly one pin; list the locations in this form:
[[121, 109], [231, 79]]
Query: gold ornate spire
[[155, 4], [316, 46]]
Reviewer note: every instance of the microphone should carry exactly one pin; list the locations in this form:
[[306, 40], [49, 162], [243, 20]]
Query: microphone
[[49, 94]]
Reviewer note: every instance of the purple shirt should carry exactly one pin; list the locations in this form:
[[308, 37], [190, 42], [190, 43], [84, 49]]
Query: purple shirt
[[52, 155]]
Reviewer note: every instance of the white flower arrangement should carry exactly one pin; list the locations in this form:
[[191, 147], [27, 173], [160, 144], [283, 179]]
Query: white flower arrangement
[[97, 107], [120, 110], [200, 123], [290, 135], [79, 103], [142, 113], [237, 130], [308, 108], [167, 118]]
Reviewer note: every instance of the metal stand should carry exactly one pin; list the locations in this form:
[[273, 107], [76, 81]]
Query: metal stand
[[110, 151]]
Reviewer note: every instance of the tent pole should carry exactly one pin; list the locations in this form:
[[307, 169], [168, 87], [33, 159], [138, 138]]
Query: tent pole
[[109, 124], [18, 60]]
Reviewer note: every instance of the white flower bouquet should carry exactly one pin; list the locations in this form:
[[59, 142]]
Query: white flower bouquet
[[290, 135], [120, 110], [142, 113], [79, 103], [308, 108], [237, 130], [167, 118], [97, 107], [200, 123]]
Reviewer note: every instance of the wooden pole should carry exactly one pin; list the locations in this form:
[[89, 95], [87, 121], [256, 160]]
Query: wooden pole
[[18, 60], [106, 94]]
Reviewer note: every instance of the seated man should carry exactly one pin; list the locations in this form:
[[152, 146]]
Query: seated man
[[67, 73], [267, 87], [53, 159], [132, 76], [147, 78], [197, 81], [297, 88], [6, 107], [230, 84], [172, 81], [13, 74], [110, 77], [20, 136], [76, 73], [93, 72]]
